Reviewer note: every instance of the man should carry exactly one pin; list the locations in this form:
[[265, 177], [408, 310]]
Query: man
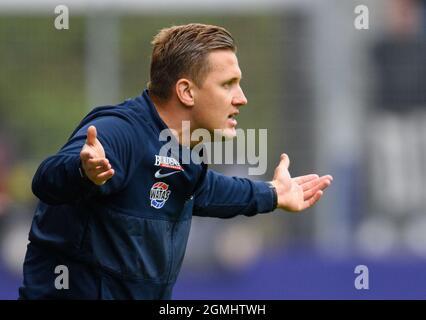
[[114, 214]]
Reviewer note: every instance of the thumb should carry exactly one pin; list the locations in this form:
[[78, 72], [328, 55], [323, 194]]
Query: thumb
[[284, 161], [91, 135]]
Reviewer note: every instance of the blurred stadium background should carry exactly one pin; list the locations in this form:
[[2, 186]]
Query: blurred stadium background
[[338, 100]]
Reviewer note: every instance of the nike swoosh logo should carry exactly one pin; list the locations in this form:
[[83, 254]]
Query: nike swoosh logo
[[160, 175]]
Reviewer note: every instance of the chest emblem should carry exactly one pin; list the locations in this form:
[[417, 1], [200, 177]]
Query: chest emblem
[[159, 194]]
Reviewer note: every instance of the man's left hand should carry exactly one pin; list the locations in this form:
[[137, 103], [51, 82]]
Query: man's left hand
[[300, 193]]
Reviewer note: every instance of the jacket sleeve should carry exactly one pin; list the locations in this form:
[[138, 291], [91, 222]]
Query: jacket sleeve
[[226, 197], [59, 179]]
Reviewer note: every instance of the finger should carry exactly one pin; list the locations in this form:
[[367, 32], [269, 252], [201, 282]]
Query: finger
[[314, 182], [284, 161], [105, 175], [98, 170], [93, 163], [104, 167], [321, 185], [329, 177], [303, 179], [91, 135], [311, 192], [310, 184], [311, 201]]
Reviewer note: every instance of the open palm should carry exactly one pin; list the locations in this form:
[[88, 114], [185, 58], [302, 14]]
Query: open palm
[[299, 193]]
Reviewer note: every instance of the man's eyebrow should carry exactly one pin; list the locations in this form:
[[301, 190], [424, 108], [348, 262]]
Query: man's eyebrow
[[235, 79]]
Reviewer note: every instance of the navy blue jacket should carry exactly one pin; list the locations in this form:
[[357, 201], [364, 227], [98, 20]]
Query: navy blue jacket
[[125, 239]]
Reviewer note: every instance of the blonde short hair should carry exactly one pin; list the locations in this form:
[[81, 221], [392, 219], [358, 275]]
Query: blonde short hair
[[181, 51]]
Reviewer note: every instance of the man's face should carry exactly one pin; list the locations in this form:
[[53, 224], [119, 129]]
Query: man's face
[[218, 99]]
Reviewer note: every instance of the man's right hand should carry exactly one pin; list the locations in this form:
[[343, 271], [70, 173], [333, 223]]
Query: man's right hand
[[96, 167]]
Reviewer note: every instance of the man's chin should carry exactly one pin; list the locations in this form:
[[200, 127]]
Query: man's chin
[[225, 134]]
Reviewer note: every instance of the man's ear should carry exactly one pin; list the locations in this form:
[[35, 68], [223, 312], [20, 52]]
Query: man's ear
[[184, 91]]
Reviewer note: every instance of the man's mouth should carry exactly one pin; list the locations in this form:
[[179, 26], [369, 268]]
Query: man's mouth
[[233, 115], [232, 119]]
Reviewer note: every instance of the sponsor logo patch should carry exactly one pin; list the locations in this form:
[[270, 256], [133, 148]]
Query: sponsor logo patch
[[159, 194], [167, 162], [160, 175]]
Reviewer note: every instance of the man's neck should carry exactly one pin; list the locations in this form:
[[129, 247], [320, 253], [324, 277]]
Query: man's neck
[[173, 115]]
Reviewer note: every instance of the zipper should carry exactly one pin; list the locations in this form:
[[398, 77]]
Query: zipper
[[171, 252], [171, 240]]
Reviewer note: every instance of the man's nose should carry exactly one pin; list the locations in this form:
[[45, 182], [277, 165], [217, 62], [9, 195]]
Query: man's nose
[[240, 99]]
